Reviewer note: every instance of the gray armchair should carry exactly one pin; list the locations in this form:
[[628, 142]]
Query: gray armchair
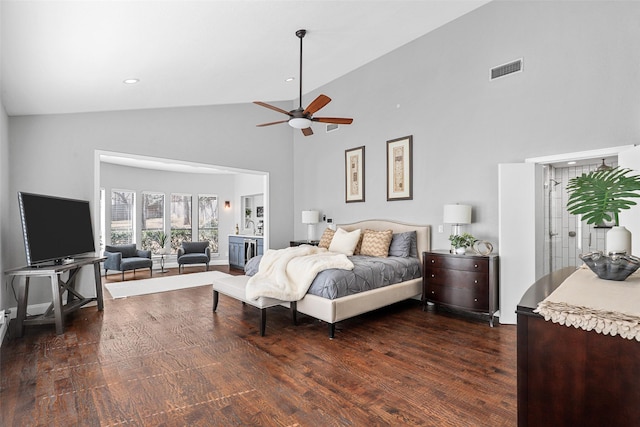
[[126, 257], [194, 253]]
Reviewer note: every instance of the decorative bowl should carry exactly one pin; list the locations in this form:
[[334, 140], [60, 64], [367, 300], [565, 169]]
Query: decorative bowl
[[612, 266]]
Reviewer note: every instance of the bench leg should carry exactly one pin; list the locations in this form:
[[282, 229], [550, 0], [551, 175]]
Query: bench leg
[[263, 321], [332, 330], [215, 300], [294, 312]]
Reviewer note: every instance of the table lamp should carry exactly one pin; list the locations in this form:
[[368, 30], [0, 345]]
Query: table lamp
[[457, 215], [311, 218]]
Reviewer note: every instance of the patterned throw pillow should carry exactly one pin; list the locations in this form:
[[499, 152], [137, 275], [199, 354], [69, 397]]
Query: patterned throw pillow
[[325, 240], [356, 251], [376, 243]]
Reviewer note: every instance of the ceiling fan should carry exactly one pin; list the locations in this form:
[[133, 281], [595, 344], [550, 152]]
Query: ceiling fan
[[301, 118]]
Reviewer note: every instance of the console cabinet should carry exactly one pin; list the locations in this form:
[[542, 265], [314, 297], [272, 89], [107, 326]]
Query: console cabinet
[[243, 248], [465, 282], [571, 377]]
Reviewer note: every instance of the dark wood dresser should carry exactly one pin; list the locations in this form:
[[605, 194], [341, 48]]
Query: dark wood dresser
[[572, 377], [466, 282]]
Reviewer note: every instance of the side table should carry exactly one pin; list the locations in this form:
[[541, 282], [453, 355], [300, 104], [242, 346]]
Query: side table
[[56, 311], [161, 256]]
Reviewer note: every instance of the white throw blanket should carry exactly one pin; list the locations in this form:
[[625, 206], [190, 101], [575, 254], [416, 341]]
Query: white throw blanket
[[587, 302], [286, 274]]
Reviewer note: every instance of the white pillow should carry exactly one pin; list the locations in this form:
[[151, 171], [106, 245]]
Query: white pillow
[[344, 242]]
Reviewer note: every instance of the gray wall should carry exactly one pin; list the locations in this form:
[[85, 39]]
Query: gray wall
[[4, 196], [55, 155], [580, 90]]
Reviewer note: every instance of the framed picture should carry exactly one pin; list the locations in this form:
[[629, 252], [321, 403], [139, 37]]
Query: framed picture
[[354, 174], [259, 211], [400, 168]]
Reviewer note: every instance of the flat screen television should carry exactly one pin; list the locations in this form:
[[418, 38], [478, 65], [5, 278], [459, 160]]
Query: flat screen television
[[54, 228]]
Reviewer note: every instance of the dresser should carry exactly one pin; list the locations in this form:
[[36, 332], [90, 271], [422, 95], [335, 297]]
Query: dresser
[[464, 282]]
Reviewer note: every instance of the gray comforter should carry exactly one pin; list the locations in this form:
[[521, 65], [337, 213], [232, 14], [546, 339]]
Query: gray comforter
[[368, 273]]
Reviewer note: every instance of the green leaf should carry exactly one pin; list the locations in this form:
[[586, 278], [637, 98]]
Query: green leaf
[[600, 195]]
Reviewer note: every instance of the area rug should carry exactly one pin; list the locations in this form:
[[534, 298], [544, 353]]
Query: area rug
[[131, 288]]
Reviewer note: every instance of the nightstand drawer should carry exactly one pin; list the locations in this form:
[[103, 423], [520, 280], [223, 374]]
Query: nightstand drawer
[[458, 297], [458, 262], [476, 282]]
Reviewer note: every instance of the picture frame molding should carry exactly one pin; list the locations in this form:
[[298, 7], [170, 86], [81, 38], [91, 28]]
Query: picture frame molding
[[359, 180], [400, 174]]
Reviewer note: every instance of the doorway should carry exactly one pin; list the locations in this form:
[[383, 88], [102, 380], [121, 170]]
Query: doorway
[[566, 236]]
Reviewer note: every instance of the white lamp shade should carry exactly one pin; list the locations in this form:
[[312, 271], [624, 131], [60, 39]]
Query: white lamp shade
[[310, 217], [457, 214]]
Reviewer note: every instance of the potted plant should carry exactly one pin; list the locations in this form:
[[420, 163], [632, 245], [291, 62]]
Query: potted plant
[[599, 196], [461, 242], [161, 238]]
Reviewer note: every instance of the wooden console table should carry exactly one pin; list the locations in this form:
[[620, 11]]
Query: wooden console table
[[572, 377], [56, 311]]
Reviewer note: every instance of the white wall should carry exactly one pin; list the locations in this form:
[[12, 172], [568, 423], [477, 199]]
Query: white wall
[[579, 91]]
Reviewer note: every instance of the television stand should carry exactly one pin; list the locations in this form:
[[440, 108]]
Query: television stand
[[56, 311]]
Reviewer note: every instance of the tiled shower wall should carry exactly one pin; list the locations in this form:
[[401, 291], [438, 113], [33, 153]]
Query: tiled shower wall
[[565, 236]]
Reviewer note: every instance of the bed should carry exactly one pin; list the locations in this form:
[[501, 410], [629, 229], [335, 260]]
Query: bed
[[345, 307]]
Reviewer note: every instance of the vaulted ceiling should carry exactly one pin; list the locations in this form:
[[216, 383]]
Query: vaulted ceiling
[[73, 56]]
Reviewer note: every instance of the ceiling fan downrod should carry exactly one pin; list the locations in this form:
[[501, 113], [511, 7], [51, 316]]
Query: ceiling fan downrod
[[300, 33]]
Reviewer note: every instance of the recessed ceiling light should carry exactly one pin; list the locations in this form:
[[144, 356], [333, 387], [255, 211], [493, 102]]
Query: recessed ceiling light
[[289, 79], [131, 81], [571, 163]]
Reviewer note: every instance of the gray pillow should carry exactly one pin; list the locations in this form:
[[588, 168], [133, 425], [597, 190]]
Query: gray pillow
[[403, 244], [251, 267]]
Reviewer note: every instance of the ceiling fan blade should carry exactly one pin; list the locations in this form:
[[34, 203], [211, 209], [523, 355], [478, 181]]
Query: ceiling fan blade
[[271, 107], [307, 131], [336, 120], [317, 104], [272, 123]]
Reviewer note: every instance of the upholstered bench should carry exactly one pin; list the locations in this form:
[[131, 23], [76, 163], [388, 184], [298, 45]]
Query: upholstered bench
[[235, 287]]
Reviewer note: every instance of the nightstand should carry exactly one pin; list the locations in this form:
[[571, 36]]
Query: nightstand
[[303, 242], [465, 282]]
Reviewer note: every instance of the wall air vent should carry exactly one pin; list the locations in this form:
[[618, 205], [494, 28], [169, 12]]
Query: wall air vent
[[506, 69], [331, 127]]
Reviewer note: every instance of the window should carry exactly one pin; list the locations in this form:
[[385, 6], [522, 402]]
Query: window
[[181, 230], [208, 220], [152, 221], [122, 213]]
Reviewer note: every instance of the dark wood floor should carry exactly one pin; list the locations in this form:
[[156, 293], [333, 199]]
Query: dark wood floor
[[167, 359]]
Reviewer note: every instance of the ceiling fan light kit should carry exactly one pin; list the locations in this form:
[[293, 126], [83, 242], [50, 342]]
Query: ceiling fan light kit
[[299, 123], [302, 118]]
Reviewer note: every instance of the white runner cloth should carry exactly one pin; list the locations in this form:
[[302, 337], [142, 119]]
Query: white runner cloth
[[585, 301]]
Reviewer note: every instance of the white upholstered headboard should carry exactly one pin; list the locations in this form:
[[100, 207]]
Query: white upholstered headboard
[[423, 231]]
